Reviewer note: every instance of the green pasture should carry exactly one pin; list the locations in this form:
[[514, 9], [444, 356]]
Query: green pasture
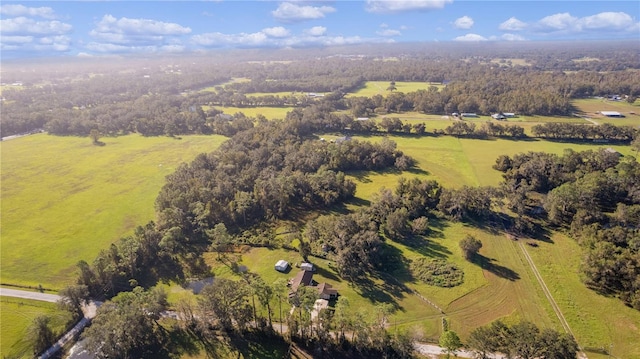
[[593, 105], [372, 88], [455, 162], [17, 315], [597, 321], [281, 94], [232, 81], [501, 282], [64, 199], [271, 113]]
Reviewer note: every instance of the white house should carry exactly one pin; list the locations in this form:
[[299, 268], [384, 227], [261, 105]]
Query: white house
[[282, 265]]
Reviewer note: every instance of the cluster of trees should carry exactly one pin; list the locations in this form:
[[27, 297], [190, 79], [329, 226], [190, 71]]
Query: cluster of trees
[[594, 194], [605, 131], [487, 129], [262, 173], [523, 340]]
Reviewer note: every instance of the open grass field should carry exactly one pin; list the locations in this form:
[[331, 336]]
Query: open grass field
[[372, 88], [271, 113], [63, 179], [592, 106], [64, 199], [17, 315], [596, 320], [232, 81]]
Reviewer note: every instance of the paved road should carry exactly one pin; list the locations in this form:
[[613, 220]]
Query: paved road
[[44, 297], [89, 311]]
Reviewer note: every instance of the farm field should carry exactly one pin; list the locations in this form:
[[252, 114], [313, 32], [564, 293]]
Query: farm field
[[268, 112], [64, 199], [455, 162], [17, 315], [372, 88], [592, 106]]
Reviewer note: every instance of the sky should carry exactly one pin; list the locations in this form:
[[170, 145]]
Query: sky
[[101, 28]]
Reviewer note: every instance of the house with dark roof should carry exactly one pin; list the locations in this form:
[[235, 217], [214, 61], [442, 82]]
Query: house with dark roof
[[327, 292], [302, 278]]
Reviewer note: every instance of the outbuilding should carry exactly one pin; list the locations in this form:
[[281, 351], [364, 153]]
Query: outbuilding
[[306, 266], [612, 114], [282, 265]]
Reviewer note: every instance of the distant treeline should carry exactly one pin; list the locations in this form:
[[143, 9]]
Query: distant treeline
[[145, 95]]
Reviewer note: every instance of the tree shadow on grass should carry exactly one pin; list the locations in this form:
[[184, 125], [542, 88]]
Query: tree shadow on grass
[[258, 345], [490, 265], [327, 274], [428, 248], [182, 342]]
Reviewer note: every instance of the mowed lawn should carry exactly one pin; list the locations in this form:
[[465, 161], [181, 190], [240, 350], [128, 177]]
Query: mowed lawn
[[64, 199], [17, 315]]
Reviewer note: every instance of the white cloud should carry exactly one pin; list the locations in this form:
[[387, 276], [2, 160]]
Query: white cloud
[[391, 6], [512, 37], [15, 40], [470, 37], [218, 39], [389, 32], [608, 21], [26, 26], [110, 24], [21, 10], [56, 43], [289, 12], [277, 31], [565, 23], [464, 22], [311, 37], [557, 22], [136, 35], [316, 31], [512, 24]]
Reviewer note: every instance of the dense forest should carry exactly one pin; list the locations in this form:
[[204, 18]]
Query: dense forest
[[164, 97]]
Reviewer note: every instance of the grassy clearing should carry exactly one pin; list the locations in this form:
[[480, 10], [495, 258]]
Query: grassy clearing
[[593, 105], [64, 199], [232, 81], [271, 113], [596, 320], [281, 94], [17, 315], [372, 88], [510, 62]]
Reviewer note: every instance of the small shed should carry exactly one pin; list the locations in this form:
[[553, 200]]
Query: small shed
[[612, 113], [306, 266], [282, 265]]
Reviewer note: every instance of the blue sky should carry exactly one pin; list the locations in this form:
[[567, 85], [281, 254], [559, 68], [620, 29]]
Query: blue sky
[[94, 28]]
